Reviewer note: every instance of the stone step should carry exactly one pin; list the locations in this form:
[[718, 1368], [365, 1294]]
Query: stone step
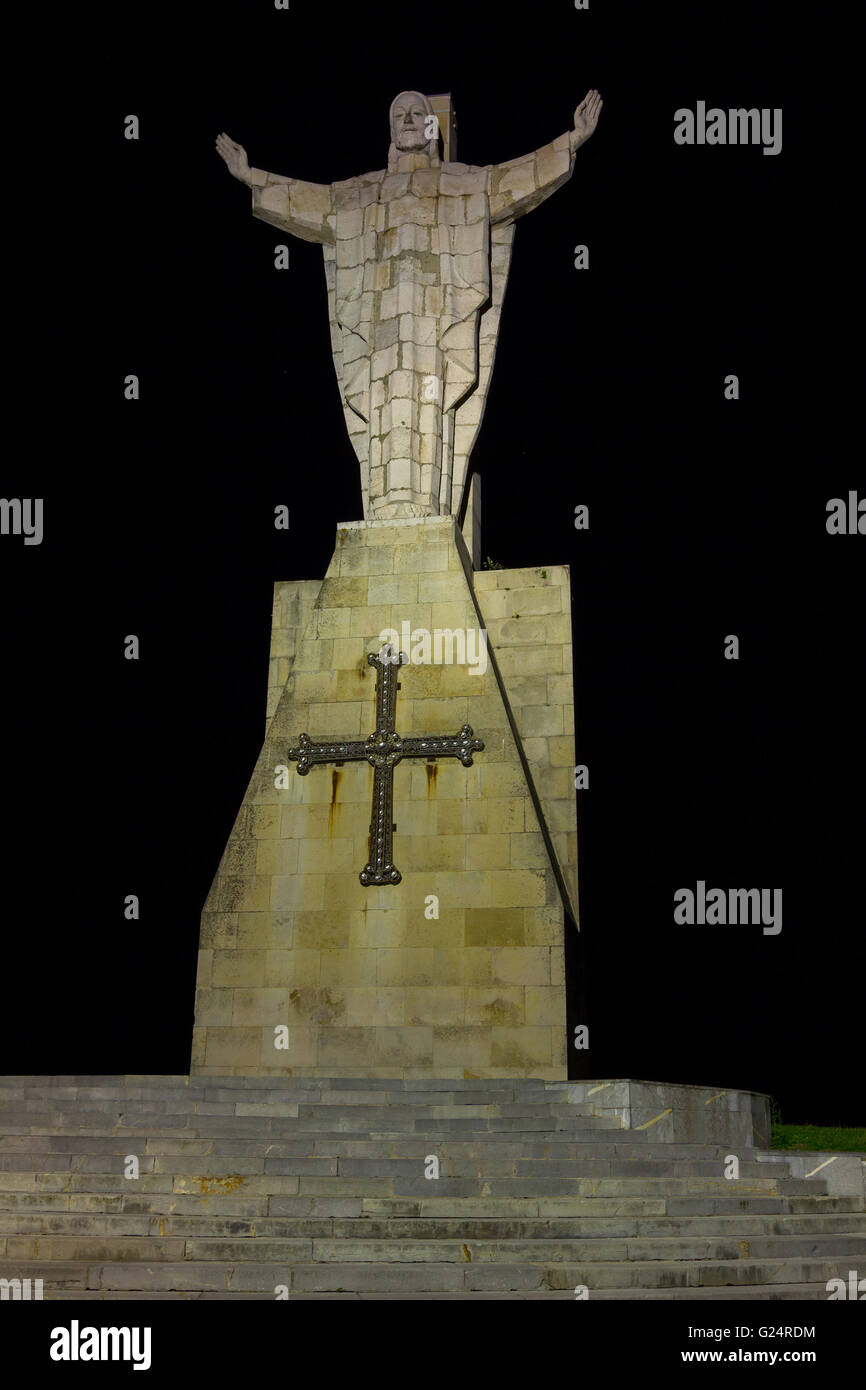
[[394, 1251], [307, 1138], [327, 1185], [191, 1138], [774, 1292], [38, 1148], [129, 1223], [742, 1293], [527, 1207], [609, 1164], [174, 1115], [223, 1277], [131, 1084], [292, 1092], [760, 1206], [340, 1144], [367, 1107], [287, 1119], [615, 1185], [459, 1208], [111, 1151], [195, 1139], [248, 1183], [516, 1123]]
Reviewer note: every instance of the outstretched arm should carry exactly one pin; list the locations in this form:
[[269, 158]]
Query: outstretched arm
[[295, 206], [519, 185]]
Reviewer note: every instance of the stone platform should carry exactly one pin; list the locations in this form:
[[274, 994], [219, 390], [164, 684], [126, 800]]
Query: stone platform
[[680, 1114], [315, 1188]]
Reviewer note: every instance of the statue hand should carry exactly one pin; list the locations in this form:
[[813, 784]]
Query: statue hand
[[586, 117], [235, 157]]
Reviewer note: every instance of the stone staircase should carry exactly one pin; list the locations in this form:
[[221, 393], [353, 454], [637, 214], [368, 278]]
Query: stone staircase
[[250, 1183]]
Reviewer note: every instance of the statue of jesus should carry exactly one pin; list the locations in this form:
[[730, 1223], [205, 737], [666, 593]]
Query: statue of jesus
[[416, 262]]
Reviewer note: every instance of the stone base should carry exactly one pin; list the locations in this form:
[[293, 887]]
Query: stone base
[[680, 1114], [457, 970], [266, 1185]]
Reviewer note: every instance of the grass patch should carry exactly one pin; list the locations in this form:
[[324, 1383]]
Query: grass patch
[[829, 1138]]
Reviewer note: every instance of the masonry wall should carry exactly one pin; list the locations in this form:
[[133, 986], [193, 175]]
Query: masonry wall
[[366, 980]]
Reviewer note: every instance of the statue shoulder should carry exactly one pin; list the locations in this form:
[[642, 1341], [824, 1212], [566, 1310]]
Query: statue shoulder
[[457, 178], [360, 180], [455, 168], [354, 193]]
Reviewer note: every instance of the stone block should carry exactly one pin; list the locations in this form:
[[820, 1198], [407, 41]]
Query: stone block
[[257, 1007], [346, 1047], [333, 622], [218, 930], [304, 892], [403, 966], [505, 815], [276, 857], [348, 592], [462, 1046], [232, 1047], [214, 1007], [377, 1006], [545, 1006], [497, 1007], [521, 1047], [490, 851], [404, 1047], [392, 589], [419, 854], [530, 660], [346, 967], [426, 1007], [540, 720], [525, 966], [457, 966], [236, 969], [447, 587], [490, 926], [528, 851], [356, 561], [292, 969]]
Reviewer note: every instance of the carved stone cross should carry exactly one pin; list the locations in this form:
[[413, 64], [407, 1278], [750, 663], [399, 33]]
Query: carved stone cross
[[383, 750]]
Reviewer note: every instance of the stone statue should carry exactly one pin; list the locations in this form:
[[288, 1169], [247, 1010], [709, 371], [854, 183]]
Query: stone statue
[[416, 262]]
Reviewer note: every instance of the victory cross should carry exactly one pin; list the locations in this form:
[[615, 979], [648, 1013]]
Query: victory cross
[[383, 750], [416, 264]]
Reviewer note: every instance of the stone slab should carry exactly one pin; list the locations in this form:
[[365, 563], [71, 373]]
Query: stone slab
[[672, 1113]]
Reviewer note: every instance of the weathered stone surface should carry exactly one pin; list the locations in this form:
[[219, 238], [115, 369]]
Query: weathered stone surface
[[366, 979], [342, 1208], [416, 265]]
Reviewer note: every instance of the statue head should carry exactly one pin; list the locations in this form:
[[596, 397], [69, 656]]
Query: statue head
[[413, 125]]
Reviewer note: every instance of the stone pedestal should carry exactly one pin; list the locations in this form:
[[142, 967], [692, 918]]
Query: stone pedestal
[[457, 970]]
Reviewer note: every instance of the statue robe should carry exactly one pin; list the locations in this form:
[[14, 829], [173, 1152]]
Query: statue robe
[[416, 264]]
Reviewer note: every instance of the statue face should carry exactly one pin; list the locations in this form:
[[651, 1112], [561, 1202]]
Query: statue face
[[408, 118]]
